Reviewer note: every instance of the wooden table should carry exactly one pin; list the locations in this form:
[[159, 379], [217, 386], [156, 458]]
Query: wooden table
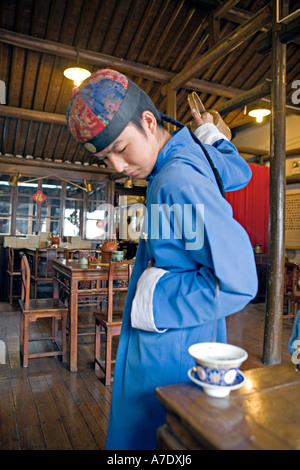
[[69, 274], [264, 414]]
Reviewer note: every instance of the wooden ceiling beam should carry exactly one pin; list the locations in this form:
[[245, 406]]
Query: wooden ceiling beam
[[242, 99], [165, 32], [91, 57], [251, 151], [224, 8], [103, 60], [259, 91], [222, 48], [289, 31], [28, 167], [239, 16], [32, 115]]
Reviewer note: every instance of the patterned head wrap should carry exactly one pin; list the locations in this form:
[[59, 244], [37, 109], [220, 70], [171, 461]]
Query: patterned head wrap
[[101, 108]]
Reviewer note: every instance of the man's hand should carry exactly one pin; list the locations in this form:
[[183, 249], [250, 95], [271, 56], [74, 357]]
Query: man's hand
[[203, 119]]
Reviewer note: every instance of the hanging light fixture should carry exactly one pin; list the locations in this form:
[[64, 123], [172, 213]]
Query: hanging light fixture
[[14, 179], [88, 186], [259, 114], [77, 74], [128, 183]]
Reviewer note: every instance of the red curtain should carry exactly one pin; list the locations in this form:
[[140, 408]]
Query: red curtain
[[251, 205]]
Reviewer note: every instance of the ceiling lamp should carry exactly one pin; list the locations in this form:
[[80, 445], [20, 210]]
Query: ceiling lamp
[[77, 74], [128, 183], [88, 187], [14, 179], [259, 114]]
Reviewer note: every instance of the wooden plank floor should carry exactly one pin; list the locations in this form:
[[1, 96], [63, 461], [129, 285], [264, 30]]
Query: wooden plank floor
[[246, 329], [47, 407]]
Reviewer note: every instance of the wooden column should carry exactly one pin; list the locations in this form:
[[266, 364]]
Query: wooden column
[[171, 107], [274, 302], [110, 195]]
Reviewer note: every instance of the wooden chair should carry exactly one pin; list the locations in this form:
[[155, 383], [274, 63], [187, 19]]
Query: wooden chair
[[110, 320], [291, 290], [14, 275], [42, 269], [33, 309], [85, 302]]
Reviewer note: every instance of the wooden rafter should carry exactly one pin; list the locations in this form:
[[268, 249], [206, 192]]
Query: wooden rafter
[[101, 60], [228, 44]]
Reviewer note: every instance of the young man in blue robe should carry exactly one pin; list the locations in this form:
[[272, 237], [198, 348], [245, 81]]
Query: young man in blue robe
[[194, 264]]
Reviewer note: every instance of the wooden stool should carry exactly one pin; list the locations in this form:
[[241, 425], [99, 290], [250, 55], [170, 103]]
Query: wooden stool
[[33, 309], [110, 321]]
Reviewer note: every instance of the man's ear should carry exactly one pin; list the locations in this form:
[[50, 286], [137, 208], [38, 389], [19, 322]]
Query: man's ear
[[149, 121]]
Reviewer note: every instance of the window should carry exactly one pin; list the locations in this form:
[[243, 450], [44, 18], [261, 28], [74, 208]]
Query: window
[[5, 205], [26, 211], [129, 216], [73, 211], [97, 213], [51, 209], [52, 205]]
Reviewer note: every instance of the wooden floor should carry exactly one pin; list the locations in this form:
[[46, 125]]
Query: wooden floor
[[47, 407]]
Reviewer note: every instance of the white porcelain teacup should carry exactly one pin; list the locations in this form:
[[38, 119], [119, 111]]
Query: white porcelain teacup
[[217, 363]]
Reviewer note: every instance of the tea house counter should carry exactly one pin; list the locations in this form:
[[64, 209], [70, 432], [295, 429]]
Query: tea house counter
[[264, 414]]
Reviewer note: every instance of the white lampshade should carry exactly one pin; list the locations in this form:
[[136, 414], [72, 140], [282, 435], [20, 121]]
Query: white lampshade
[[77, 74], [259, 114]]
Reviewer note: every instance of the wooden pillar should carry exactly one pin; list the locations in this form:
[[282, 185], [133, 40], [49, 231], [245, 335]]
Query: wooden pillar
[[110, 197], [171, 107], [275, 285]]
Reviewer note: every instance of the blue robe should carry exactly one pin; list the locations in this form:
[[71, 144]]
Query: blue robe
[[199, 279]]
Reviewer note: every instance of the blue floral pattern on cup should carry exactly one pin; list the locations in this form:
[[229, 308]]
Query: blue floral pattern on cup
[[216, 376]]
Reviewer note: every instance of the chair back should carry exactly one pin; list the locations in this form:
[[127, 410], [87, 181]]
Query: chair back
[[291, 278], [50, 256], [121, 276], [25, 275]]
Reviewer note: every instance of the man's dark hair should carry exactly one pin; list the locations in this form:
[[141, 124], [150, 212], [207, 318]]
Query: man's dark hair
[[145, 104]]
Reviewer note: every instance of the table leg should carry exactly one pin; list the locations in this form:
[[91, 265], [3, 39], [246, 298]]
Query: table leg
[[73, 309], [55, 292]]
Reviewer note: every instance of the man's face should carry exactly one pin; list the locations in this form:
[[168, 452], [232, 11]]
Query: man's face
[[133, 152]]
